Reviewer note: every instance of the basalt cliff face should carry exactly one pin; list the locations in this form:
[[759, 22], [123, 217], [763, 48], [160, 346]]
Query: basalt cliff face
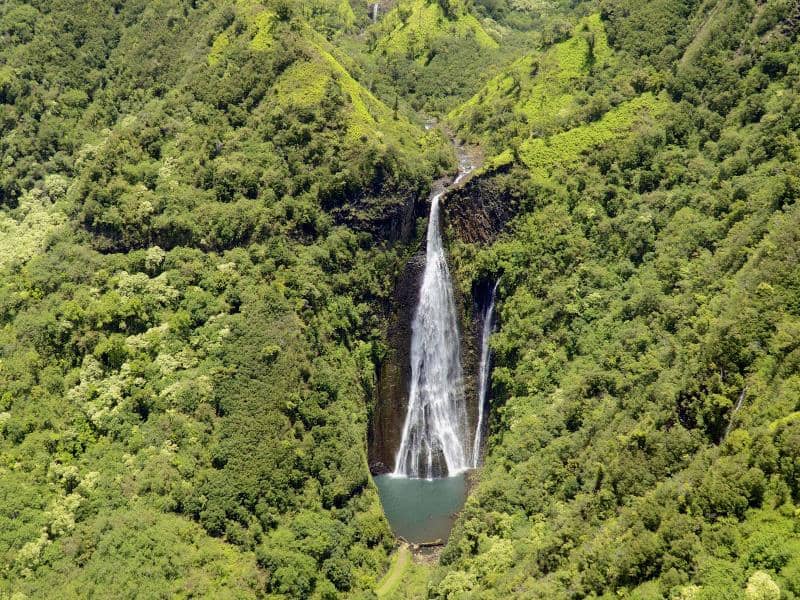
[[394, 372], [477, 211], [389, 214]]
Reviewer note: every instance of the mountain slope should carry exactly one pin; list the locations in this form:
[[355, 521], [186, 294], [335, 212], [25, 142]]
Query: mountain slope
[[190, 314], [204, 211], [413, 28], [538, 88], [646, 364]]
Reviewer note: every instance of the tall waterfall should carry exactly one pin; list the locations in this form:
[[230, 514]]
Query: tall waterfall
[[375, 13], [435, 432], [483, 373]]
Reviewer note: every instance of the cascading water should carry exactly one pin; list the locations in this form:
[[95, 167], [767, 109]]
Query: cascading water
[[429, 486], [483, 374], [375, 13], [435, 432]]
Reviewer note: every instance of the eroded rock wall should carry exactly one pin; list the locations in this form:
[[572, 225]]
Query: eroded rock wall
[[477, 211]]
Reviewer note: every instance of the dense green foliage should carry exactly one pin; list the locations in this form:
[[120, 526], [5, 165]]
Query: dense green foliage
[[190, 274], [647, 365], [200, 206]]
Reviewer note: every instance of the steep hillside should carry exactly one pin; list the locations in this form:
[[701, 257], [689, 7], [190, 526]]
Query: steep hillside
[[205, 209], [541, 89], [435, 55], [415, 28], [195, 202], [646, 378]]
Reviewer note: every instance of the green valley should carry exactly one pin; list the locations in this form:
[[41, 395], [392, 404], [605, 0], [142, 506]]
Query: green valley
[[214, 241]]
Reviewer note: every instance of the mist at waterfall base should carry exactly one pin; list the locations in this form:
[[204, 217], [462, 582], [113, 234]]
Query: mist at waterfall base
[[428, 486]]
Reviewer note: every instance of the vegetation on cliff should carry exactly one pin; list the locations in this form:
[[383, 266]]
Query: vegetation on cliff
[[194, 203], [646, 382]]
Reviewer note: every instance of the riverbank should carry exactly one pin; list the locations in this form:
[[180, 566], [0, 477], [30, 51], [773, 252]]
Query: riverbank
[[408, 574]]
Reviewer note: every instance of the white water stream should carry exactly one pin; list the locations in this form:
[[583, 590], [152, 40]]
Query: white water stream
[[435, 432], [483, 374]]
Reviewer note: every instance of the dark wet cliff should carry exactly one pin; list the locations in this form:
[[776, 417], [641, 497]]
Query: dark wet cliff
[[394, 372], [478, 210]]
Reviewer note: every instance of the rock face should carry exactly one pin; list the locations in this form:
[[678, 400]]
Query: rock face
[[479, 210], [474, 212], [390, 215], [394, 373]]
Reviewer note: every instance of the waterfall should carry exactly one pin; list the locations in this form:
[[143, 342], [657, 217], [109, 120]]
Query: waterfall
[[483, 373], [375, 13], [735, 410], [435, 432]]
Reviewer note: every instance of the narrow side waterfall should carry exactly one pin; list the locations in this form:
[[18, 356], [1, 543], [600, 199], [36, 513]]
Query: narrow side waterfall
[[483, 374], [434, 442], [375, 13]]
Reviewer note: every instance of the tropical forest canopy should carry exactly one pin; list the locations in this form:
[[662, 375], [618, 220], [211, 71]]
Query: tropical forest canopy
[[201, 229]]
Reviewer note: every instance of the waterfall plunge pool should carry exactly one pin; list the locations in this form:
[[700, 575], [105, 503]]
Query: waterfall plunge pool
[[422, 510]]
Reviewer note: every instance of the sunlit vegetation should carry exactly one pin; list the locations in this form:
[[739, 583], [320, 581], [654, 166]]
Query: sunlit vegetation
[[646, 379], [541, 155], [195, 199], [538, 89], [413, 28]]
